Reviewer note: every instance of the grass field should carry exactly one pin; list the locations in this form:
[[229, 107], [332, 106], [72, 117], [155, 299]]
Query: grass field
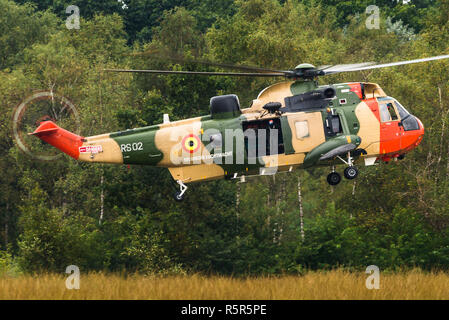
[[313, 285]]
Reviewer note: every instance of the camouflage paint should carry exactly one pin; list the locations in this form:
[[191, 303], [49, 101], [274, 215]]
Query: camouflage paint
[[156, 145], [138, 146]]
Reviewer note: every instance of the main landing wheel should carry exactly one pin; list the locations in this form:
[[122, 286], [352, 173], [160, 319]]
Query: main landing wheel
[[333, 178], [179, 196], [351, 172]]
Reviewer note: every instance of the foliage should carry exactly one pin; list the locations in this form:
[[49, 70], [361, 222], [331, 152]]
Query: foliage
[[21, 27], [8, 265]]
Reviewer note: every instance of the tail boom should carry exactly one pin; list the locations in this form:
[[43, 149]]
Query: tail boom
[[101, 148], [59, 138]]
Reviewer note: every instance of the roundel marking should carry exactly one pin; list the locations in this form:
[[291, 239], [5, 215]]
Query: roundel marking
[[191, 143]]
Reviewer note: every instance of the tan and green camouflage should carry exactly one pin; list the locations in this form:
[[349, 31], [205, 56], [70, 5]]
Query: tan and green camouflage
[[305, 141]]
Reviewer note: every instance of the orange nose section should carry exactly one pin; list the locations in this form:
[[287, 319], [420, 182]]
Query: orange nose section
[[420, 133], [59, 138]]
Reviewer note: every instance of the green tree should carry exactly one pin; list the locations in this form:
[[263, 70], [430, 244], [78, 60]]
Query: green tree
[[21, 27]]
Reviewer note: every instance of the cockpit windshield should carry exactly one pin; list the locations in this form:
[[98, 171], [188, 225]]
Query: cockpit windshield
[[408, 121], [403, 113]]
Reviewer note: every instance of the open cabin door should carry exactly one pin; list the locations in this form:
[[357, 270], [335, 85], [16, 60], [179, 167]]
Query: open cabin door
[[263, 137], [302, 131]]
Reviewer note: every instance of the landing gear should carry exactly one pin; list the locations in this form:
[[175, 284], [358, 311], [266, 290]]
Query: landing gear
[[333, 178], [179, 196], [351, 172]]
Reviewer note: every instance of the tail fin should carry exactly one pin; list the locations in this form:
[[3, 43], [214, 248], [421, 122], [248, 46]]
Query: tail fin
[[59, 138]]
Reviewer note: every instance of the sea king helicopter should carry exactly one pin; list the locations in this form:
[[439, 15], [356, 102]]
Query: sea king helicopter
[[292, 124]]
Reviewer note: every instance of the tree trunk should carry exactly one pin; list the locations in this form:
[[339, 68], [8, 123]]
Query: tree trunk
[[6, 225], [6, 234], [280, 206], [101, 199], [443, 121], [301, 213], [237, 200]]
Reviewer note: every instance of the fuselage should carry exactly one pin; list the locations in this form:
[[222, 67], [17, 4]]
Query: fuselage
[[231, 142]]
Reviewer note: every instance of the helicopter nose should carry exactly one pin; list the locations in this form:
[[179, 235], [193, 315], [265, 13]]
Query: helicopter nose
[[421, 126], [420, 133]]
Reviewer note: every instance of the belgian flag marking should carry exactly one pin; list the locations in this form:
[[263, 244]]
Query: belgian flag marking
[[191, 143]]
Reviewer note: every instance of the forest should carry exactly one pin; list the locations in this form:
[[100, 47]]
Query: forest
[[123, 218]]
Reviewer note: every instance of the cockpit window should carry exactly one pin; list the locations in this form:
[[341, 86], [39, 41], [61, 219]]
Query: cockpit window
[[402, 112], [384, 114], [392, 112], [408, 121], [387, 112]]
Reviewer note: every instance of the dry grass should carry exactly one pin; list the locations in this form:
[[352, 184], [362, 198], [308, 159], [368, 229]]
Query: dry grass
[[313, 285]]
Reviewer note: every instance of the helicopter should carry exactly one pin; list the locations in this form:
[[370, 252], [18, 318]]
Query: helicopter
[[293, 124]]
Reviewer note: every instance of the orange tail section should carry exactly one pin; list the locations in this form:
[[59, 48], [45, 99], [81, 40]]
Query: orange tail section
[[59, 138]]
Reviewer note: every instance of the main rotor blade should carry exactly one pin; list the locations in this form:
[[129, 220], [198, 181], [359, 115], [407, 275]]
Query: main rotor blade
[[238, 74], [183, 59], [234, 66], [341, 67], [385, 65]]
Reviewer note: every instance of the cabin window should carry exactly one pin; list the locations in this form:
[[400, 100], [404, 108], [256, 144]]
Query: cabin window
[[302, 129], [336, 125], [333, 125]]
